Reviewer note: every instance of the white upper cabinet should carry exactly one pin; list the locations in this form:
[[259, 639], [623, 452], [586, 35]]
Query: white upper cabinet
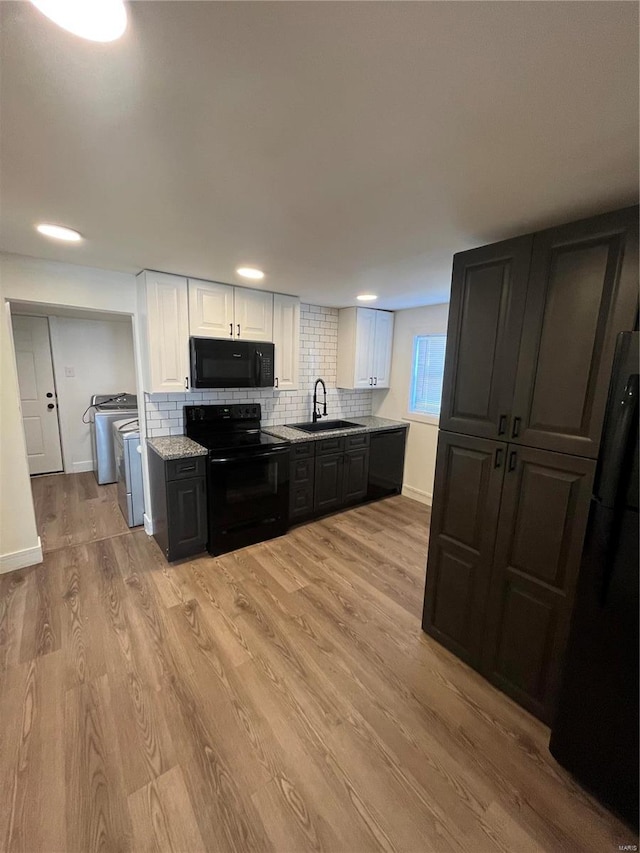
[[286, 338], [382, 346], [163, 317], [211, 309], [253, 311], [365, 339], [224, 311]]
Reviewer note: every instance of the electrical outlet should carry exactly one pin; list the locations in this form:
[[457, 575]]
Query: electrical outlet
[[69, 372]]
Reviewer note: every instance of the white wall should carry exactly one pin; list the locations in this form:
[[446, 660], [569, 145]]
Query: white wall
[[420, 461], [25, 279], [100, 354]]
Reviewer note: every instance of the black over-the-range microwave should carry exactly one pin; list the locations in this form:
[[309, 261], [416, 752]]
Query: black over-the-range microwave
[[231, 364]]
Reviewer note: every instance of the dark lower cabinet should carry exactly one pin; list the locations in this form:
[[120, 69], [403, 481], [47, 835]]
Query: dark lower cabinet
[[542, 523], [355, 476], [179, 504], [331, 473], [469, 474], [301, 481], [328, 483]]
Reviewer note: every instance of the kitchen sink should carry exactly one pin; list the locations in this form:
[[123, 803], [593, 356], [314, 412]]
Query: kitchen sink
[[325, 426]]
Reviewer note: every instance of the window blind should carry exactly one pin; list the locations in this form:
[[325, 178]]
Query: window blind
[[428, 370]]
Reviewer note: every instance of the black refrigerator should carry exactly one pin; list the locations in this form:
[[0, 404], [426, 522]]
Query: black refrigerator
[[595, 733]]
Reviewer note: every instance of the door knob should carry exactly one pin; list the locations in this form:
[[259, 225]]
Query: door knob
[[50, 406]]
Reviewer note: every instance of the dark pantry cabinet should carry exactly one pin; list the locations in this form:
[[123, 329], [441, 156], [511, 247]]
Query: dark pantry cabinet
[[532, 327], [531, 336], [179, 504], [468, 483]]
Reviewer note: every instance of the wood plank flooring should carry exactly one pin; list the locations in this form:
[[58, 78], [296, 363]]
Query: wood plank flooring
[[281, 698]]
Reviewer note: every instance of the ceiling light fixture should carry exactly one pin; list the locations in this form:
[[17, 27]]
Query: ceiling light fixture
[[250, 272], [96, 20], [59, 232], [367, 297]]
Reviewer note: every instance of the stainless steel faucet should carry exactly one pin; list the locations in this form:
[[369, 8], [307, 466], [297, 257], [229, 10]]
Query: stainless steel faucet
[[316, 414]]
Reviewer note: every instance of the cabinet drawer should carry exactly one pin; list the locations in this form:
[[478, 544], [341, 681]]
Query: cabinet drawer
[[329, 445], [301, 471], [302, 451], [355, 442], [190, 466]]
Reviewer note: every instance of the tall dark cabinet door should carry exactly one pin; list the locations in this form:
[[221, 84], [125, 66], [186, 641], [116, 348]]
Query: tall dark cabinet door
[[543, 516], [583, 290], [328, 483], [468, 482], [187, 511], [355, 477], [488, 290]]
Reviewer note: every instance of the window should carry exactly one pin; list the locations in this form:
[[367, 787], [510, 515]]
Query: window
[[426, 376]]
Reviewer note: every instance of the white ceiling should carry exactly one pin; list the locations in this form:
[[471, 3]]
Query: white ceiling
[[340, 147]]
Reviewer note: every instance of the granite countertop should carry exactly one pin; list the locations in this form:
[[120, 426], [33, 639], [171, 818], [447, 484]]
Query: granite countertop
[[176, 447], [366, 424]]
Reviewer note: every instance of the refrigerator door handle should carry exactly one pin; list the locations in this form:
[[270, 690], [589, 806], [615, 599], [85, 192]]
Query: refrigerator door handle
[[612, 460]]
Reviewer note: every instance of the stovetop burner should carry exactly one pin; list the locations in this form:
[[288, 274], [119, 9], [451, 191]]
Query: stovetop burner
[[228, 427]]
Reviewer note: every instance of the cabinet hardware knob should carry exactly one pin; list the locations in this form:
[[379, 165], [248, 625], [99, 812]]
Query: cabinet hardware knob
[[515, 432], [502, 425], [238, 329], [186, 382], [371, 380], [513, 458], [498, 460], [49, 394], [50, 406], [277, 381], [375, 380], [230, 330]]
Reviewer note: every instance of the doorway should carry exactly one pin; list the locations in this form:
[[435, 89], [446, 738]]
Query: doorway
[[38, 398]]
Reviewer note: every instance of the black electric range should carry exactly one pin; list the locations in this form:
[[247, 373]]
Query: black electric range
[[247, 475]]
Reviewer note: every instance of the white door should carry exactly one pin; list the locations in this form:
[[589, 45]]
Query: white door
[[168, 313], [37, 394], [382, 347], [253, 314], [365, 336], [210, 309], [286, 339]]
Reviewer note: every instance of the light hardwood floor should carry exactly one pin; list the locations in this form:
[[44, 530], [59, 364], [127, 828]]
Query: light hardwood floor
[[281, 698]]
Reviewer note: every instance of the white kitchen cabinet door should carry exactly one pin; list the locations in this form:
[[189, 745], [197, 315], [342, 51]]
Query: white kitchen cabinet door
[[382, 347], [364, 350], [167, 311], [286, 339], [253, 311], [211, 309]]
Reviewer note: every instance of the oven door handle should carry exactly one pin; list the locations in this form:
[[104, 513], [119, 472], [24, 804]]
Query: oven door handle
[[249, 458]]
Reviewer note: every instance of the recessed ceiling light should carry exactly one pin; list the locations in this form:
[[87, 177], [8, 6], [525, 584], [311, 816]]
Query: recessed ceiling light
[[250, 272], [96, 20], [367, 297], [59, 232]]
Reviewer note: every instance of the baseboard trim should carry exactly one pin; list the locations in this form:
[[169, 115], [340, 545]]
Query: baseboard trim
[[417, 495], [79, 467], [21, 559], [148, 524]]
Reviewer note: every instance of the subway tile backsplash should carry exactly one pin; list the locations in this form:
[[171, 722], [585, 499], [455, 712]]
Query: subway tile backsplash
[[318, 359]]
